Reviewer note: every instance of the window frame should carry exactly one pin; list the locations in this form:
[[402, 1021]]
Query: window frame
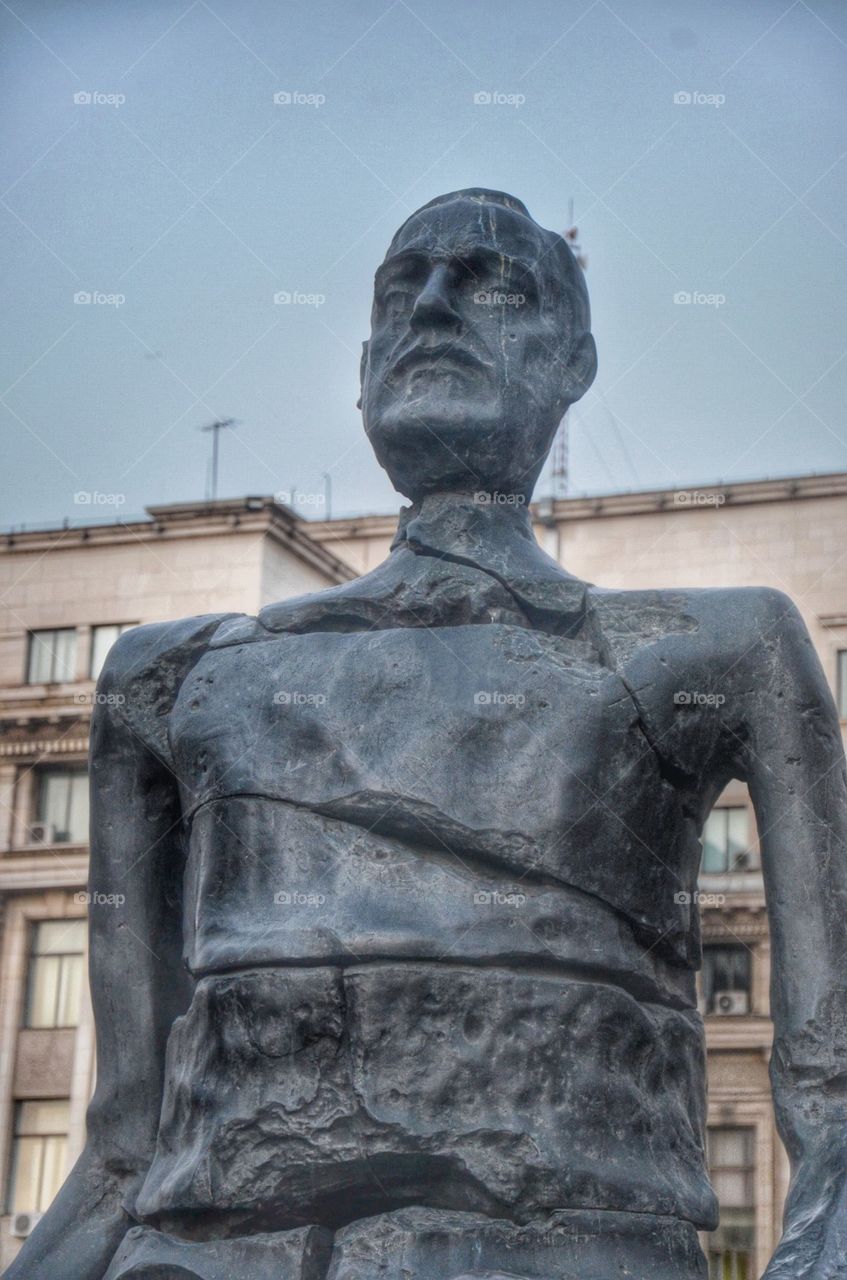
[[730, 858], [708, 994], [722, 1250], [41, 1140], [35, 637], [31, 972], [841, 682], [119, 627], [72, 771]]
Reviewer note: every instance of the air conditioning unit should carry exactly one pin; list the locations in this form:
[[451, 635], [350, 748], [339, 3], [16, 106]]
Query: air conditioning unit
[[42, 833], [23, 1223], [731, 1003]]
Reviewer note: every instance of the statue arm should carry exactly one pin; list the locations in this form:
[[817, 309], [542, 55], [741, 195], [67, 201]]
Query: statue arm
[[138, 981], [794, 764]]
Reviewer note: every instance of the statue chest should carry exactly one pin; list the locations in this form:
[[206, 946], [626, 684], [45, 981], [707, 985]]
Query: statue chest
[[488, 726], [489, 741]]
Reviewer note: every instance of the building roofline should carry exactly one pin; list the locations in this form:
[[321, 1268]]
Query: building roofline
[[251, 514], [631, 502], [309, 538]]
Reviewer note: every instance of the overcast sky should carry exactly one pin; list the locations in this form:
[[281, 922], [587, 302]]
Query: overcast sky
[[184, 192]]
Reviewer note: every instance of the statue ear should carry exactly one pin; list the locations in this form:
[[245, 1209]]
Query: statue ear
[[363, 364], [582, 366]]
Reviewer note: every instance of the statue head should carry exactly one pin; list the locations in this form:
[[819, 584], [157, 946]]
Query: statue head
[[480, 340]]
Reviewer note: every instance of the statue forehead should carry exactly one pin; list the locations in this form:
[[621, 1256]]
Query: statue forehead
[[464, 224]]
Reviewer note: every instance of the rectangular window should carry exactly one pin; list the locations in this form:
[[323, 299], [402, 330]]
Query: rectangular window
[[726, 979], [102, 639], [842, 683], [62, 805], [39, 1154], [725, 844], [732, 1165], [52, 656], [55, 974]]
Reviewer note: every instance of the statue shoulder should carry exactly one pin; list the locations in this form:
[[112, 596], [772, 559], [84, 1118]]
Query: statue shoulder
[[708, 623], [142, 675]]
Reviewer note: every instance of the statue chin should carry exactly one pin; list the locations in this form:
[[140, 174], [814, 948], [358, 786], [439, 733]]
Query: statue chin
[[427, 447]]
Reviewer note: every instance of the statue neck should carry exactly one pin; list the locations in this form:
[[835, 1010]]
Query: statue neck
[[471, 519]]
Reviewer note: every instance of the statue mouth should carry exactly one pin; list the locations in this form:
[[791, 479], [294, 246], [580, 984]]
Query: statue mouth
[[443, 358]]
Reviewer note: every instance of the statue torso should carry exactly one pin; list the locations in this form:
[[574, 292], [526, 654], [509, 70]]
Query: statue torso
[[398, 810]]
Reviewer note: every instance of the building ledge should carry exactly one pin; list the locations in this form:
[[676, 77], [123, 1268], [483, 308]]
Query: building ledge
[[49, 869]]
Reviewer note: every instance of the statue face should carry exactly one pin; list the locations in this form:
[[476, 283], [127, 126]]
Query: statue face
[[470, 364]]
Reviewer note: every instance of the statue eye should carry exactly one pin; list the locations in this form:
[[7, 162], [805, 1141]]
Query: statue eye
[[396, 296]]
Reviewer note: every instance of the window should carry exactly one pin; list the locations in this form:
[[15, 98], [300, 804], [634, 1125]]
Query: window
[[726, 979], [62, 804], [725, 845], [55, 974], [52, 656], [39, 1154], [732, 1167], [102, 639], [842, 684]]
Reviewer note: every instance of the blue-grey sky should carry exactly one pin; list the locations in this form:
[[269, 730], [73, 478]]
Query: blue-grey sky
[[197, 198]]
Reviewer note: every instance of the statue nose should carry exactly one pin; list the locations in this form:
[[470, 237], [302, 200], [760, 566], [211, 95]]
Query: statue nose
[[433, 305]]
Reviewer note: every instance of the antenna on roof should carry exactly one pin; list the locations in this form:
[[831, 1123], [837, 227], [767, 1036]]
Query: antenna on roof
[[560, 455], [216, 428]]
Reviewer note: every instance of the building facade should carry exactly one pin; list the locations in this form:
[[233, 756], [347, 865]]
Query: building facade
[[67, 595]]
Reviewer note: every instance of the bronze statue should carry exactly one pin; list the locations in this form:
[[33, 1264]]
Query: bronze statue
[[404, 979]]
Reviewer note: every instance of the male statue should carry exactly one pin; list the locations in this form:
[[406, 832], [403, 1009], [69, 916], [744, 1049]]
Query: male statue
[[404, 981]]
